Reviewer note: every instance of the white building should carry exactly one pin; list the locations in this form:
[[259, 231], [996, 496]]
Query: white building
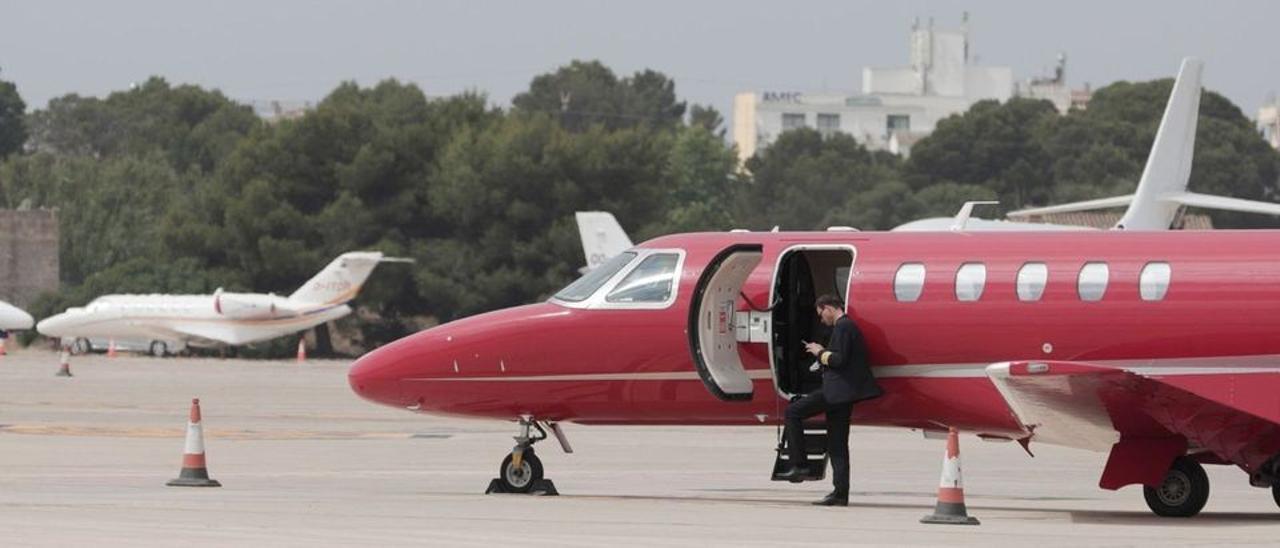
[[1054, 89], [897, 106]]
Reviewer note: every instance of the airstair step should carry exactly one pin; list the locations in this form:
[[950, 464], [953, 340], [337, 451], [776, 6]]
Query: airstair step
[[815, 445]]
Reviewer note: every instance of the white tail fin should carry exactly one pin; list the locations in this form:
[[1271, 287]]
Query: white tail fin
[[1162, 191], [1169, 165], [341, 280], [602, 236]]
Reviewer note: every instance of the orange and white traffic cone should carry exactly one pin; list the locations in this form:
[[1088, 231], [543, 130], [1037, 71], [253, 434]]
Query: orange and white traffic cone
[[111, 348], [950, 508], [194, 473], [302, 350], [65, 359]]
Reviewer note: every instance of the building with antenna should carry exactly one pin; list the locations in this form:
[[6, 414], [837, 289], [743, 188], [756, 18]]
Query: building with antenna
[[896, 105], [1054, 89]]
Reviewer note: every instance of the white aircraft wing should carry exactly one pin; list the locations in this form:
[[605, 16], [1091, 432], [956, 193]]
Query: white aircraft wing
[[1224, 203], [1087, 205], [142, 330], [212, 332], [245, 332]]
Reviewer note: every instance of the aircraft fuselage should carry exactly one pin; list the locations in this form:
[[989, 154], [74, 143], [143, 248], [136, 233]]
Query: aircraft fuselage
[[1206, 312], [194, 319]]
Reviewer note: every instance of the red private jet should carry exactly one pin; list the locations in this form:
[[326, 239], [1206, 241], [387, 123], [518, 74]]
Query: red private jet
[[1159, 347]]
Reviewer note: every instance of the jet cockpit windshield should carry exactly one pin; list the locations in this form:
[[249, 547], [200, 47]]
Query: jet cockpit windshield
[[587, 285]]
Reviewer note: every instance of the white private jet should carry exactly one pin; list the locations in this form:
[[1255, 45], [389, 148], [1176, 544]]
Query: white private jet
[[1162, 191], [13, 318], [602, 237], [171, 322]]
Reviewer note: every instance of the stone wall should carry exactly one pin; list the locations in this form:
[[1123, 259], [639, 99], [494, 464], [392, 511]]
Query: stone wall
[[28, 255]]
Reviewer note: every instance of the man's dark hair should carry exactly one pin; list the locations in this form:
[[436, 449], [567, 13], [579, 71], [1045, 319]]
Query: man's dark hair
[[829, 300]]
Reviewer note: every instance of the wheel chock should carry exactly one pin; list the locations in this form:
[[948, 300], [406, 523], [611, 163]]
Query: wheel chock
[[540, 488]]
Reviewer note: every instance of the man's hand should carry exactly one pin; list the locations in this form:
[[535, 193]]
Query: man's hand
[[813, 348]]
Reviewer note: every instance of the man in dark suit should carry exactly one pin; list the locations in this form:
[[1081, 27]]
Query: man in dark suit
[[846, 379]]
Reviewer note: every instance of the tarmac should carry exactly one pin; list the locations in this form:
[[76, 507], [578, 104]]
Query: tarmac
[[304, 462]]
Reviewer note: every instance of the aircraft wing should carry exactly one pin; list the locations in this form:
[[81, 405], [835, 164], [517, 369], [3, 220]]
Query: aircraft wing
[[236, 333], [1087, 205], [1209, 201], [1192, 199], [1146, 415], [212, 332]]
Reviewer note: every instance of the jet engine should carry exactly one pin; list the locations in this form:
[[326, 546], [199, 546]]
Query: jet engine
[[251, 306]]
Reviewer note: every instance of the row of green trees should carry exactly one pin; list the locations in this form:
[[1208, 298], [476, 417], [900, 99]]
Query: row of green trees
[[167, 188]]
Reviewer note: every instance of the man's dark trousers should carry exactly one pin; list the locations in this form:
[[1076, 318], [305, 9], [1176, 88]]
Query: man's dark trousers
[[837, 434]]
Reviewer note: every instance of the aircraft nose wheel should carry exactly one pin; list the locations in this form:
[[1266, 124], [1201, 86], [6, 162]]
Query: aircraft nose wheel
[[520, 479], [1183, 493], [521, 470]]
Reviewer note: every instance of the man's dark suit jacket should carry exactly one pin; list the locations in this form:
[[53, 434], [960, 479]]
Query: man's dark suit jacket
[[846, 376]]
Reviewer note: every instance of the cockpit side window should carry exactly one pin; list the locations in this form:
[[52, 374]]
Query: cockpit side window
[[649, 282], [584, 287]]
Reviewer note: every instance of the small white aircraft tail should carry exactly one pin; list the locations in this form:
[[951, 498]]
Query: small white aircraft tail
[[1162, 190], [602, 237], [341, 280]]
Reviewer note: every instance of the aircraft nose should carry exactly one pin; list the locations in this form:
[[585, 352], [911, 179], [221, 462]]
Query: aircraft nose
[[51, 326], [376, 377], [12, 317]]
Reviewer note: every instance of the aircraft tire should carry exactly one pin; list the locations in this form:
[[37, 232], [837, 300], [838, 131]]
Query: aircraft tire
[[81, 346], [159, 349], [523, 479], [1275, 493], [1183, 493]]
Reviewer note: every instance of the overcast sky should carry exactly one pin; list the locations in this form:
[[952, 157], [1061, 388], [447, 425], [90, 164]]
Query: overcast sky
[[299, 50]]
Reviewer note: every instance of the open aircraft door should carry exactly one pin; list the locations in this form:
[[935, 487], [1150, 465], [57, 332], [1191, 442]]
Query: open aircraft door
[[713, 333]]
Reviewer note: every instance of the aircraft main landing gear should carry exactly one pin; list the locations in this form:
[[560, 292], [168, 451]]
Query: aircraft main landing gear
[[1183, 492], [521, 470]]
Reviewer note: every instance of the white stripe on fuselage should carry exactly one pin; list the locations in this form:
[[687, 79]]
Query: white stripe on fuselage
[[650, 376], [1221, 365], [1269, 363]]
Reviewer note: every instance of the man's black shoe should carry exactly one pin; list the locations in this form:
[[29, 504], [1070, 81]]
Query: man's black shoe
[[833, 499], [794, 474]]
